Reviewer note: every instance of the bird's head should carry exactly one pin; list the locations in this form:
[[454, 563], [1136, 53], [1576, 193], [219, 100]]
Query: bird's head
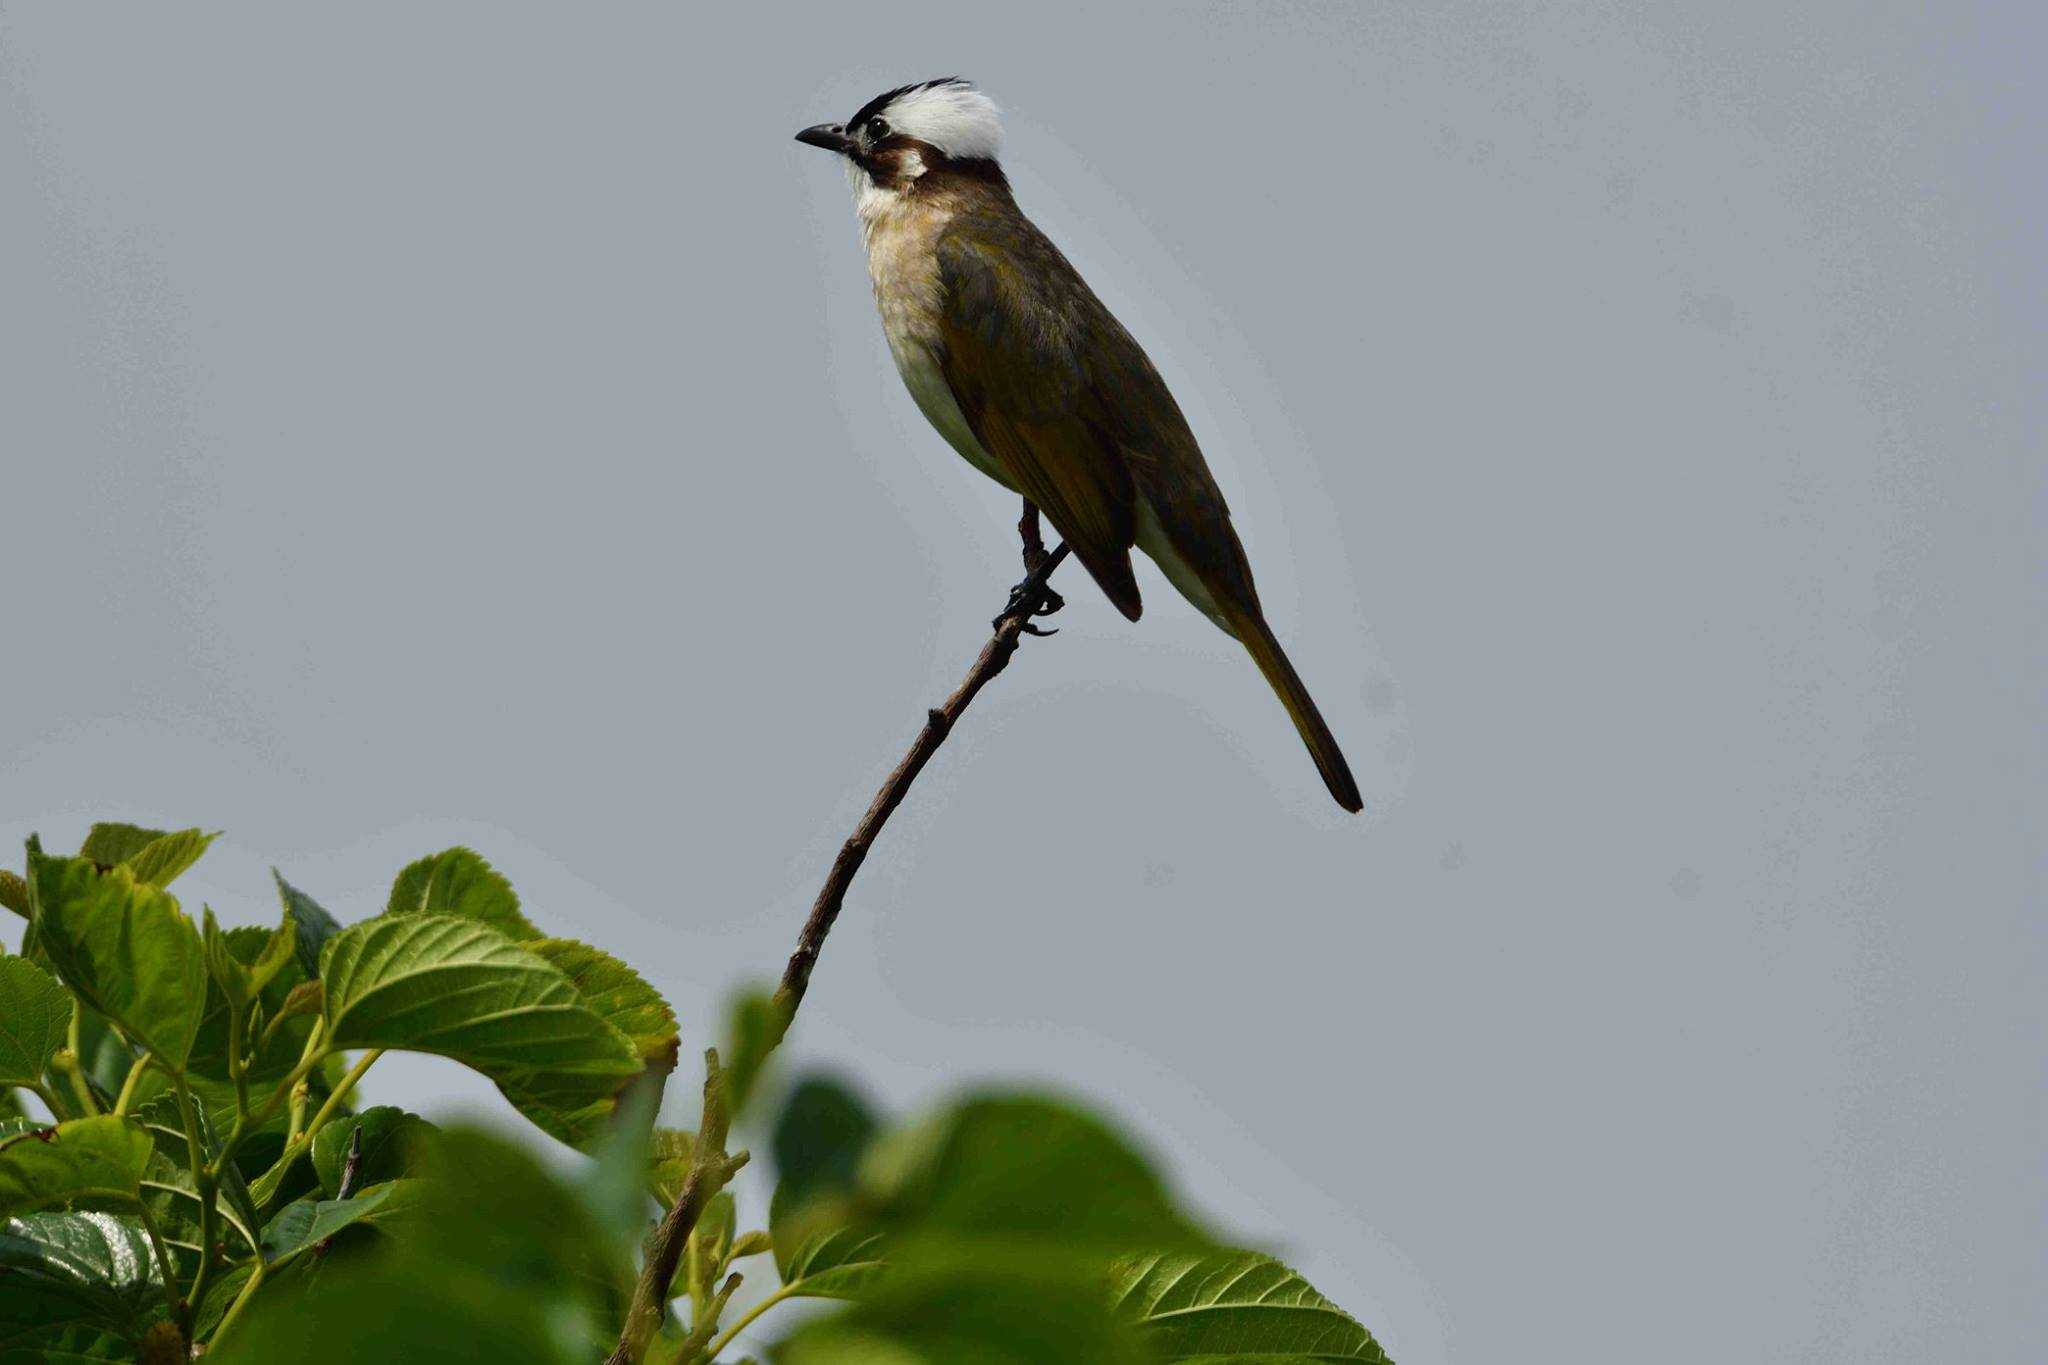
[[905, 133]]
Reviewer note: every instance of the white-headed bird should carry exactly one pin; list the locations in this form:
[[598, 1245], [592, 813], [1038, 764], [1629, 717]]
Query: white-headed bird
[[1028, 376]]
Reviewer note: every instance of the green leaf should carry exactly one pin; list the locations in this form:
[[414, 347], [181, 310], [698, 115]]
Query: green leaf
[[972, 1311], [402, 1310], [393, 1145], [70, 1346], [494, 1209], [460, 989], [125, 948], [458, 882], [669, 1154], [14, 892], [105, 1056], [255, 952], [300, 1224], [824, 1246], [35, 1013], [243, 962], [85, 1163], [618, 993], [1023, 1169], [163, 859], [167, 1180], [614, 1185], [110, 843], [75, 1269], [313, 925], [715, 1227], [752, 1030], [1222, 1306], [822, 1249], [820, 1137]]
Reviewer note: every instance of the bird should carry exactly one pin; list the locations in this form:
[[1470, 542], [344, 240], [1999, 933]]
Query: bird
[[1028, 376]]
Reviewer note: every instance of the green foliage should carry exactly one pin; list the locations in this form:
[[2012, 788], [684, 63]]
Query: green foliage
[[304, 1223], [313, 925], [14, 892], [1022, 1169], [160, 861], [823, 1132], [461, 989], [820, 1253], [244, 962], [669, 1151], [400, 1311], [393, 1144], [973, 1311], [61, 1271], [751, 1033], [458, 882], [822, 1250], [94, 1163], [124, 948], [1225, 1305], [618, 994], [110, 843], [249, 966], [206, 1185], [34, 1013]]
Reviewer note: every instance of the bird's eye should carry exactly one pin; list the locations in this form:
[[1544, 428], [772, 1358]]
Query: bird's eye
[[878, 129]]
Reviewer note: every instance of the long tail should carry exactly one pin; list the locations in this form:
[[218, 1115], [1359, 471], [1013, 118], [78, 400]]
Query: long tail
[[1322, 745]]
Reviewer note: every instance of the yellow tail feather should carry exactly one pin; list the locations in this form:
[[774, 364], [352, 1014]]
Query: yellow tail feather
[[1301, 708]]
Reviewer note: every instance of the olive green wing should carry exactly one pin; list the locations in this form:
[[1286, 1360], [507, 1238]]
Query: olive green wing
[[1015, 355]]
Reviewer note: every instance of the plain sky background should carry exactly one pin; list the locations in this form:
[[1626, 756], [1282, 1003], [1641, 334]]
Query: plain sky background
[[467, 423]]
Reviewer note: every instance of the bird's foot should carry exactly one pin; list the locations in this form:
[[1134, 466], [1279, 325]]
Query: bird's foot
[[1029, 599]]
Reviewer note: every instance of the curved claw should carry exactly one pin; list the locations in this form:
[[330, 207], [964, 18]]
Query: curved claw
[[1027, 628]]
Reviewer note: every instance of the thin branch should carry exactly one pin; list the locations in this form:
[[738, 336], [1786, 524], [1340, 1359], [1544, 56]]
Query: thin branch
[[710, 1167], [1026, 600], [710, 1170]]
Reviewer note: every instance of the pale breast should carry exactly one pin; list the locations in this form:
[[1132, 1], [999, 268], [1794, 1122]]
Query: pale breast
[[902, 237]]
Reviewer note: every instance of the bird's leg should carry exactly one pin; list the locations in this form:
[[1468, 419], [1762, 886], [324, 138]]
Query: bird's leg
[[1033, 596]]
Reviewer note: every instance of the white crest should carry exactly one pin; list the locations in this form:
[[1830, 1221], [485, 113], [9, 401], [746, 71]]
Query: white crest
[[951, 115]]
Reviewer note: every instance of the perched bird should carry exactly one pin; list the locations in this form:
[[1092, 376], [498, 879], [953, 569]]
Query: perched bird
[[1028, 376]]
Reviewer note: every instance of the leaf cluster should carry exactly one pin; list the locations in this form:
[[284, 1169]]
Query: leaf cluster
[[205, 1180]]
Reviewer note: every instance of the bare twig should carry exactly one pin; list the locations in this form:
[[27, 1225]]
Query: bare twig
[[710, 1170], [1025, 601], [710, 1167]]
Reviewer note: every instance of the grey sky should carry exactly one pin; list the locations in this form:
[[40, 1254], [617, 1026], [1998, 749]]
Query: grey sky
[[467, 423]]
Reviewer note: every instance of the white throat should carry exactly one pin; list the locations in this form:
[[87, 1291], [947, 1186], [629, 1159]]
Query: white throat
[[874, 203]]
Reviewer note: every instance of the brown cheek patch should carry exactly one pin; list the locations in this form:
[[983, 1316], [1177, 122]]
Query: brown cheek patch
[[891, 157]]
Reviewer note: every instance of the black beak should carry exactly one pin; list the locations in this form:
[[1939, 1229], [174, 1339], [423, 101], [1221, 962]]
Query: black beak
[[831, 136]]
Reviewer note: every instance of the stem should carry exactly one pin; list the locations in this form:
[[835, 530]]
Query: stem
[[128, 1085], [227, 1319], [710, 1167], [272, 1180], [725, 1338], [206, 1184], [311, 1057], [339, 1095], [238, 1069], [691, 1348], [710, 1170], [67, 1062], [163, 1262]]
